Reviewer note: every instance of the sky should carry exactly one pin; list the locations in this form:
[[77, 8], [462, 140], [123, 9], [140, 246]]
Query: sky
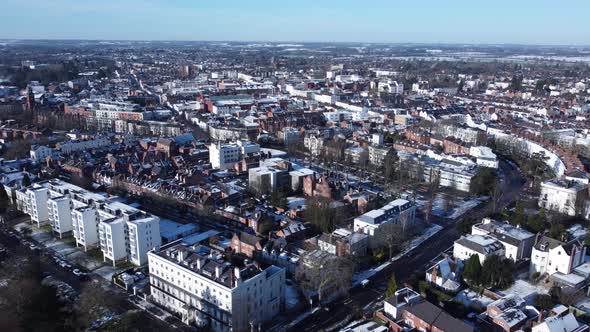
[[541, 22]]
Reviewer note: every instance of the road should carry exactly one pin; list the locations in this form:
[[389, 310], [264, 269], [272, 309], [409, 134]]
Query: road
[[418, 260]]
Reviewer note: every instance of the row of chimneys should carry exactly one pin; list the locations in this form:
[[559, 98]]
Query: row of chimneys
[[201, 262]]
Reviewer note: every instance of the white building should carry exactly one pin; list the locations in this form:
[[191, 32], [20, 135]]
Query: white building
[[199, 284], [338, 116], [563, 196], [390, 86], [223, 156], [60, 214], [343, 242], [33, 201], [567, 323], [455, 175], [313, 144], [355, 154], [121, 231], [377, 154], [325, 98], [484, 156], [552, 256], [40, 152], [481, 245], [518, 243], [453, 172], [400, 211], [290, 135], [128, 234], [82, 145], [446, 274]]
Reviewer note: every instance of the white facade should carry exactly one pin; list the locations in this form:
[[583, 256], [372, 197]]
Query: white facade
[[33, 201], [313, 144], [400, 211], [121, 231], [40, 152], [81, 145], [85, 227], [60, 214], [390, 87], [484, 156], [481, 245], [223, 156], [325, 99], [207, 291], [551, 256], [518, 243], [377, 154], [561, 196], [455, 176]]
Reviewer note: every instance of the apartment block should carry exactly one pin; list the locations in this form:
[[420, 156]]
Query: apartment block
[[122, 232], [208, 291]]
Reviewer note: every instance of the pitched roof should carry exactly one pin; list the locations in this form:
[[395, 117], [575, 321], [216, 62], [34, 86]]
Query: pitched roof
[[248, 238], [435, 316]]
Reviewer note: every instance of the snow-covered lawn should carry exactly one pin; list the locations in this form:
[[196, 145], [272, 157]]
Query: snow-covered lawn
[[526, 290]]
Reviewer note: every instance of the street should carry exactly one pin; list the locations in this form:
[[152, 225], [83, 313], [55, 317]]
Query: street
[[417, 261]]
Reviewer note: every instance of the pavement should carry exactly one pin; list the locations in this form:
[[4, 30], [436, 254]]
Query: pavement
[[371, 297]]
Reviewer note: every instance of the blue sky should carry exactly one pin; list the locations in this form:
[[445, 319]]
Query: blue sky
[[421, 21]]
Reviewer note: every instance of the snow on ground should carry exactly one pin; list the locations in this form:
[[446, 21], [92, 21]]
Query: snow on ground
[[291, 297], [295, 202], [460, 206], [526, 290], [472, 299], [358, 277], [464, 207], [275, 153], [69, 252], [106, 272]]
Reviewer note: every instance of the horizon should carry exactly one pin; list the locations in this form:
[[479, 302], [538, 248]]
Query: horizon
[[542, 23], [286, 42]]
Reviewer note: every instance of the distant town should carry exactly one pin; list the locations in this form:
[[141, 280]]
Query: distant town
[[263, 186]]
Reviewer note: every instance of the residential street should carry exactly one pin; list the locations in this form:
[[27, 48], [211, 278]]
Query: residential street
[[372, 295]]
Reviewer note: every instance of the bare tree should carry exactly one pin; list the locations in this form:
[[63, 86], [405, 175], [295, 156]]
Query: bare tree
[[328, 276], [391, 236]]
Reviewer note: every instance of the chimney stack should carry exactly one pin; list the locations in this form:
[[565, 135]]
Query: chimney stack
[[200, 264]]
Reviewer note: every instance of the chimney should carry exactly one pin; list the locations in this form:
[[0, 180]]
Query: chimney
[[180, 256], [217, 271], [237, 276], [200, 263]]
